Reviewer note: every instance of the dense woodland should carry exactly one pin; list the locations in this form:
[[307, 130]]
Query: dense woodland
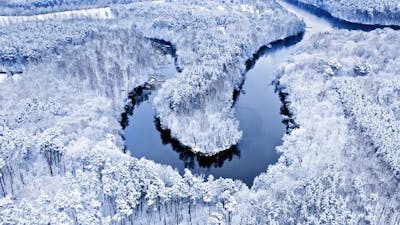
[[62, 158]]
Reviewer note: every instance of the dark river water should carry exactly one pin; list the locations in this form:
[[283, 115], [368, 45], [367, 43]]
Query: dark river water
[[257, 107]]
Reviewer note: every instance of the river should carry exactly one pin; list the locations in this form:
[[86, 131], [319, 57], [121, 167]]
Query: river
[[257, 107]]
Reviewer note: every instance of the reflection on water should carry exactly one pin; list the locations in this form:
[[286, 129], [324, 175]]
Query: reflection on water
[[257, 107], [136, 97], [145, 138], [190, 159], [260, 105], [273, 47]]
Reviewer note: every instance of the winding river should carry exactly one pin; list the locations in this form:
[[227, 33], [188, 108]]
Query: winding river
[[258, 108]]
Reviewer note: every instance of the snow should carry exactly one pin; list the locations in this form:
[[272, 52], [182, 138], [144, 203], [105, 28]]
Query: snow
[[374, 105], [2, 78], [330, 171], [212, 48], [36, 7], [61, 152], [40, 39], [374, 12], [61, 158], [315, 24], [99, 13]]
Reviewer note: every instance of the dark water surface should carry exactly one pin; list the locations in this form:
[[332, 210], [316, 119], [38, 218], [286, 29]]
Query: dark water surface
[[258, 109]]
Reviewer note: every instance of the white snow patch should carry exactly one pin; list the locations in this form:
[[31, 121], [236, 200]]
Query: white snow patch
[[158, 2], [2, 77], [98, 13], [247, 8]]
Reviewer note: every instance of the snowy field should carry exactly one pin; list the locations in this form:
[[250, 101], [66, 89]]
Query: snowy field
[[65, 83], [39, 7], [99, 13]]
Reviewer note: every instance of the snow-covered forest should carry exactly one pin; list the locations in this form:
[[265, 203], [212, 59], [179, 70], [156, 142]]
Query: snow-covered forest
[[382, 12], [213, 42], [67, 68]]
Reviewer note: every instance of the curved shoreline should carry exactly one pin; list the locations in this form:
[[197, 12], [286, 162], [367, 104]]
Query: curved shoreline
[[346, 22]]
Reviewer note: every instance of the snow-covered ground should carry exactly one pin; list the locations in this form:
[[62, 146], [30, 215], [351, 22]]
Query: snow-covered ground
[[31, 41], [61, 153], [378, 12], [213, 41], [337, 167], [36, 7], [62, 159], [99, 13]]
